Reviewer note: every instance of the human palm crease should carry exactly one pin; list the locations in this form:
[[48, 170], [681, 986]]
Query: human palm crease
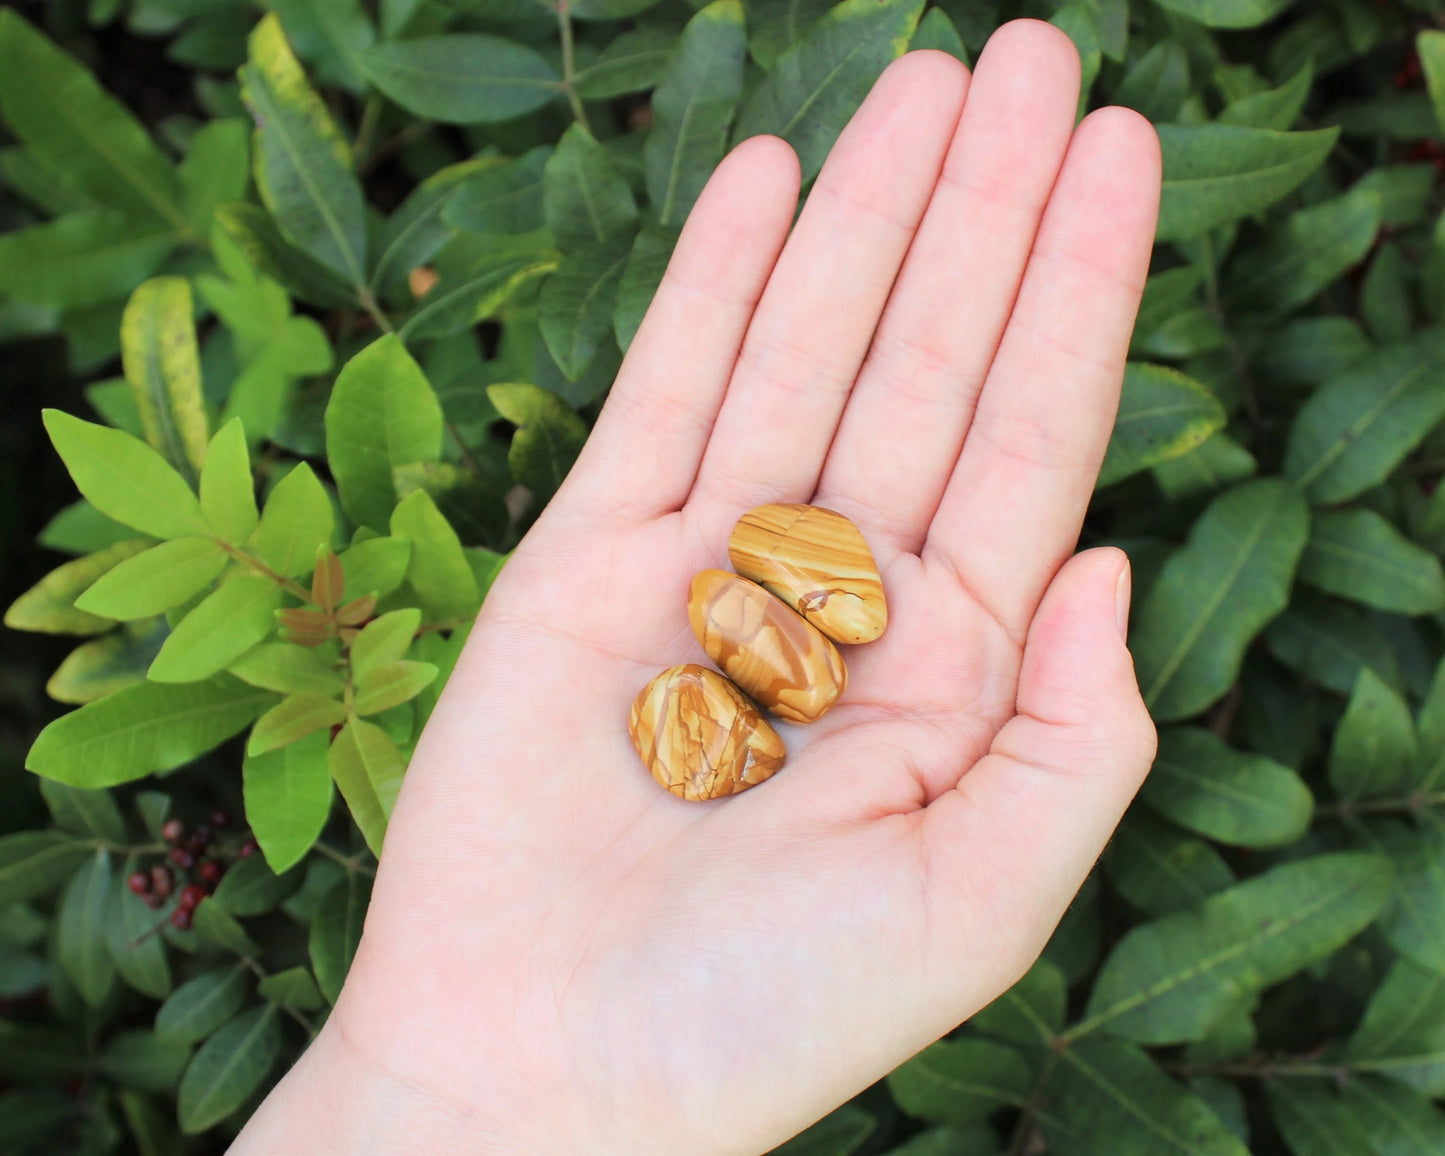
[[934, 349]]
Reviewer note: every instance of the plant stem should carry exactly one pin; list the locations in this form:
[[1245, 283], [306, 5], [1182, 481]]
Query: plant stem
[[373, 310], [266, 572], [1024, 1130], [352, 863], [1402, 805], [369, 117], [569, 64]]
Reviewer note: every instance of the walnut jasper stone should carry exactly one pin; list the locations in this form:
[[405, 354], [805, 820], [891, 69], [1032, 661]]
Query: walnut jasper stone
[[700, 737], [817, 562], [782, 663]]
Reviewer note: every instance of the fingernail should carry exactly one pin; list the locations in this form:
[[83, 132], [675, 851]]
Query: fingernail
[[1123, 591]]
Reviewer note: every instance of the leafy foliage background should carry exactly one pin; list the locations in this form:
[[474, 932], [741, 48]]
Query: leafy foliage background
[[321, 298]]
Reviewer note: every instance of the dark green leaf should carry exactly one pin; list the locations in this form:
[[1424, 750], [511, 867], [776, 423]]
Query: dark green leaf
[[841, 1133], [462, 78], [631, 63], [228, 1068], [505, 198], [80, 943], [141, 1059], [1402, 1034], [1162, 415], [1375, 742], [81, 259], [250, 887], [292, 988], [548, 437], [336, 932], [1159, 869], [1357, 554], [34, 863], [959, 1081], [577, 303], [584, 197], [135, 945], [201, 1005]]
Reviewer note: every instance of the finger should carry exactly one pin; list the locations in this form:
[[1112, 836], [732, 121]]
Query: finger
[[1012, 509], [948, 310], [643, 454], [1011, 844], [817, 315]]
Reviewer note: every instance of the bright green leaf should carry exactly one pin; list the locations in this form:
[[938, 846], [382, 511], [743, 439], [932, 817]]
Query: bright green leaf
[[391, 685], [288, 799], [367, 769], [226, 624], [438, 571], [298, 519], [228, 492], [151, 582], [293, 719]]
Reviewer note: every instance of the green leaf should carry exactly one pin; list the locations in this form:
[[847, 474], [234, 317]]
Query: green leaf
[[1168, 981], [577, 303], [818, 83], [226, 624], [163, 366], [250, 888], [1032, 1011], [936, 32], [1159, 869], [106, 665], [1162, 415], [1374, 743], [959, 1081], [80, 945], [228, 491], [633, 62], [1357, 554], [1215, 594], [1216, 462], [1430, 45], [292, 988], [692, 109], [216, 170], [288, 799], [1319, 1118], [548, 439], [49, 607], [1402, 1033], [1277, 108], [840, 1133], [464, 78], [1214, 173], [287, 669], [1405, 192], [136, 949], [150, 583], [84, 812], [124, 478], [387, 686], [584, 197], [330, 33], [252, 230], [297, 521], [82, 529], [141, 1060], [228, 1068], [1244, 800], [647, 263], [1414, 921], [293, 719], [201, 1005], [438, 571], [34, 863], [79, 134], [376, 566], [505, 198], [1107, 1098], [303, 163], [459, 302], [415, 232], [215, 927], [81, 259], [1386, 302], [142, 730], [1157, 83], [1299, 259], [367, 769], [336, 932], [383, 641], [1363, 421], [382, 414], [973, 1140]]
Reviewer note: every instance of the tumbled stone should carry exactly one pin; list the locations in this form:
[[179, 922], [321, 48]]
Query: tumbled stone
[[699, 735], [781, 662], [817, 562]]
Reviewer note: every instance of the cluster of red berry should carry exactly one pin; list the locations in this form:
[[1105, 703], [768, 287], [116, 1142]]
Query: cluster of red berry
[[197, 862]]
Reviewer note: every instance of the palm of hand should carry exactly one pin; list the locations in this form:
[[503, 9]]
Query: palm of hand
[[567, 959]]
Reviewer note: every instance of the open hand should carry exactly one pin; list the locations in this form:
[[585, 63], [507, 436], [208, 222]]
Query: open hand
[[562, 958]]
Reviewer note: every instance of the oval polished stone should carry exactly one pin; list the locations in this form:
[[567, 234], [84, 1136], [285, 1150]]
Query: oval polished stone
[[817, 562], [782, 663], [700, 737]]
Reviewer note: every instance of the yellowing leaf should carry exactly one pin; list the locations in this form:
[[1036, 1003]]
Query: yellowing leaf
[[49, 607], [163, 366]]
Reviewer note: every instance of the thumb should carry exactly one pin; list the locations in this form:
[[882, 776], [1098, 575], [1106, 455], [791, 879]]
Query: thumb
[[1027, 822]]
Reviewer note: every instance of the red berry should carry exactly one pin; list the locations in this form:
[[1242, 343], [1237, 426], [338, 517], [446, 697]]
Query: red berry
[[139, 882], [173, 831], [191, 896], [162, 880], [211, 871], [200, 839], [182, 858], [220, 820], [249, 848], [181, 918]]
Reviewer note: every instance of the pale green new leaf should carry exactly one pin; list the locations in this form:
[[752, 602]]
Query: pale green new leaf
[[391, 685], [163, 365], [292, 719], [367, 769], [288, 799], [49, 607], [226, 624], [463, 78], [383, 641], [1363, 421], [336, 932], [80, 945], [1168, 981], [548, 438], [150, 583], [124, 478], [375, 566], [228, 1068], [438, 570], [816, 85], [228, 492], [382, 414], [1162, 415], [577, 304], [1215, 594], [302, 163], [584, 197], [1214, 174], [692, 109], [959, 1081], [1233, 797], [297, 520]]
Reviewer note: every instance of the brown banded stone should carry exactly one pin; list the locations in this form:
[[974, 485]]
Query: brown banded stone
[[781, 662], [699, 735], [817, 562]]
